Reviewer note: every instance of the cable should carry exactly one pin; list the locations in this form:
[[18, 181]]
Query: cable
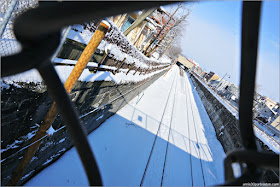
[[144, 174], [165, 157]]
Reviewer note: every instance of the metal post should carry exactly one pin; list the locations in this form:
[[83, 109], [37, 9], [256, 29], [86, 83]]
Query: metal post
[[130, 68], [7, 16], [119, 67], [101, 61]]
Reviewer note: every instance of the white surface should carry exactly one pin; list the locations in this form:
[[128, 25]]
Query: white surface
[[122, 144], [64, 71], [267, 140]]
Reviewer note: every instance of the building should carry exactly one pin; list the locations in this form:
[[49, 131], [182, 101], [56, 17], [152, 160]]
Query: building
[[270, 103], [197, 70], [276, 123], [211, 76], [222, 84], [203, 74], [141, 36], [194, 62], [266, 110], [143, 32], [184, 61]]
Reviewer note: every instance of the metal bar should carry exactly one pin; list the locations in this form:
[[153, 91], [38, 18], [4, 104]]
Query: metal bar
[[101, 61], [7, 16], [52, 113], [250, 33], [68, 13], [130, 68], [70, 115], [119, 66]]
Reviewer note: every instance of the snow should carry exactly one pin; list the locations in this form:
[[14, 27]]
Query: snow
[[99, 117], [31, 134], [226, 105], [165, 58], [108, 47], [271, 143], [120, 46], [62, 140], [106, 23], [123, 143], [50, 131], [11, 146], [265, 137], [64, 71], [4, 85], [236, 169], [27, 174]]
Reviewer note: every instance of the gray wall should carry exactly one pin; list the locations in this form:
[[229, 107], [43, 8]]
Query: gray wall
[[230, 139]]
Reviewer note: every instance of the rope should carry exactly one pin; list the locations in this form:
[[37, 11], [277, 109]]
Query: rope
[[49, 118]]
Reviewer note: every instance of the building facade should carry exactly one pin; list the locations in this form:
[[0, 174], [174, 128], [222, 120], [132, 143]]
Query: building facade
[[141, 36]]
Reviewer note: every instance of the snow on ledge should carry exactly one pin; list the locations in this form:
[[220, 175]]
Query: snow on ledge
[[33, 76], [227, 106], [267, 140]]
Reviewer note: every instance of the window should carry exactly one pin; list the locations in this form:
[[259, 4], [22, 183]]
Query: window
[[127, 23]]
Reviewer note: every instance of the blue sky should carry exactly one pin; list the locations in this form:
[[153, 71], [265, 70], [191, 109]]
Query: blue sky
[[213, 39]]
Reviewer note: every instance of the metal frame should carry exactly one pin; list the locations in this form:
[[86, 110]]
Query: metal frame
[[40, 43], [251, 161]]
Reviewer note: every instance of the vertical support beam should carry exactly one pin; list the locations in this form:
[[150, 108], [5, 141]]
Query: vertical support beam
[[130, 68], [119, 66], [101, 61], [7, 16], [249, 49]]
